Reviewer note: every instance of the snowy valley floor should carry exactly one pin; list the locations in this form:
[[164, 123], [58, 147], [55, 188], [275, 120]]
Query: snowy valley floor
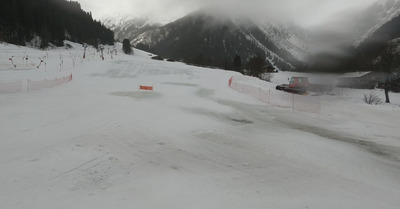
[[100, 142]]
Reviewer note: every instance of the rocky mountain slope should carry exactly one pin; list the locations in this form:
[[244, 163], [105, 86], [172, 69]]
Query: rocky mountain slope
[[210, 39], [125, 26]]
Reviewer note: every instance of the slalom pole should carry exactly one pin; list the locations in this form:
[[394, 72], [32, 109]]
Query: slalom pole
[[11, 59], [40, 63]]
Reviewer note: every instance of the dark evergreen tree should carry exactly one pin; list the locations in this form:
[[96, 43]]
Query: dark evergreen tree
[[126, 46], [237, 63], [255, 66], [143, 47], [52, 20], [199, 60]]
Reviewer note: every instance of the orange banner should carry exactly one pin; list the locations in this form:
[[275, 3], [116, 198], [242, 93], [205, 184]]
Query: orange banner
[[149, 88]]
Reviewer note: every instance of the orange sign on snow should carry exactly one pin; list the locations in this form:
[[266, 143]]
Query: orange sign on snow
[[148, 88]]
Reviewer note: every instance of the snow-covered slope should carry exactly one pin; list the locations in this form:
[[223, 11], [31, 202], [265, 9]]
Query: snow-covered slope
[[100, 142]]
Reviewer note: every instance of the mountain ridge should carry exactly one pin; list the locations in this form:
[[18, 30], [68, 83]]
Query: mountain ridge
[[219, 38]]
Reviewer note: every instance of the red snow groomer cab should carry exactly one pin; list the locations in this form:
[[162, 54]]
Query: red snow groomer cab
[[297, 85]]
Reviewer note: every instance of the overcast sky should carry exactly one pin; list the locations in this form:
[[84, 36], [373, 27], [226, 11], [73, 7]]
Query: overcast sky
[[304, 12]]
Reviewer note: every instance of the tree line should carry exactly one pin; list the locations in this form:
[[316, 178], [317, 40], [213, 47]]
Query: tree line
[[255, 66], [52, 20]]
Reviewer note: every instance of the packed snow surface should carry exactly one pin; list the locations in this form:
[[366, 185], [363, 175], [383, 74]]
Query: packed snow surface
[[101, 142]]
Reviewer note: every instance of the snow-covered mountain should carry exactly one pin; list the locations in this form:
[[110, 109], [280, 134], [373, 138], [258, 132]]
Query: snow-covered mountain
[[126, 26], [352, 27], [113, 22], [343, 38], [215, 38], [290, 37], [218, 38], [374, 17], [383, 42]]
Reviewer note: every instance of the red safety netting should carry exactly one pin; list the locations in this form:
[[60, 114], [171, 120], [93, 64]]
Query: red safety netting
[[273, 97], [11, 87], [37, 85]]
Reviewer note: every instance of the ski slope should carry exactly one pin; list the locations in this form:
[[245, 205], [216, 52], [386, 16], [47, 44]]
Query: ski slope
[[100, 142]]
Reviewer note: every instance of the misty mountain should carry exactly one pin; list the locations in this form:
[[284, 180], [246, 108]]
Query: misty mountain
[[214, 38], [208, 38], [127, 27], [368, 55], [378, 29], [337, 41], [352, 27], [374, 17], [40, 23], [289, 37]]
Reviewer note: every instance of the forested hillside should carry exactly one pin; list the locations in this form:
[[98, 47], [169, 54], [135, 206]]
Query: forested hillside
[[210, 39], [49, 21], [369, 52]]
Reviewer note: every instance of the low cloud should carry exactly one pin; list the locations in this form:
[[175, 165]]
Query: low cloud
[[304, 12]]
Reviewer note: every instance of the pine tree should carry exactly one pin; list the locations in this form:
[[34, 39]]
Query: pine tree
[[256, 65], [126, 46], [21, 20], [237, 63]]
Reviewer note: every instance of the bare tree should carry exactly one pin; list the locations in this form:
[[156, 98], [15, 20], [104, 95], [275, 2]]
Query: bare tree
[[372, 99], [390, 66]]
